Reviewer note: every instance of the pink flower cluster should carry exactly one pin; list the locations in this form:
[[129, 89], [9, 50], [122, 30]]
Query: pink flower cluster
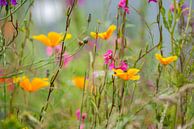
[[83, 117], [56, 50], [108, 57], [108, 60], [122, 4]]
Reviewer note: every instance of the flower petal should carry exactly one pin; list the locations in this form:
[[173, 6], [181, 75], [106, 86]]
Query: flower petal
[[94, 35], [38, 83], [43, 39], [132, 71], [110, 30], [55, 38]]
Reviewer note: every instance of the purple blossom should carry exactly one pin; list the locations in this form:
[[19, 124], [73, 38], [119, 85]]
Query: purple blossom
[[3, 2], [184, 8], [122, 4], [108, 56], [14, 2], [152, 1]]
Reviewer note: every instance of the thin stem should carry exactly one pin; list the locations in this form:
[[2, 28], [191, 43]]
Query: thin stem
[[53, 78]]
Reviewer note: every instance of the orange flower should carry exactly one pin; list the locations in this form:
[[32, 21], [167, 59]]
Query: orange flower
[[130, 74], [79, 82], [34, 85], [53, 38], [104, 35], [166, 60]]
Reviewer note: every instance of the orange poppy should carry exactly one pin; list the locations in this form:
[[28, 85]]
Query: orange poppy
[[130, 74], [167, 60], [52, 40], [34, 85], [104, 35], [79, 82]]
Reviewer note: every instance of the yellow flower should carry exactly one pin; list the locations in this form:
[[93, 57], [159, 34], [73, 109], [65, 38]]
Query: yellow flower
[[52, 40], [104, 35], [166, 60], [16, 79], [79, 82], [130, 74], [34, 85]]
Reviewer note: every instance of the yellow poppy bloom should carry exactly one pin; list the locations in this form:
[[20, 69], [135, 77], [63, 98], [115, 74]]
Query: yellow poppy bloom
[[166, 60], [104, 35], [130, 74], [34, 85], [52, 40], [79, 82]]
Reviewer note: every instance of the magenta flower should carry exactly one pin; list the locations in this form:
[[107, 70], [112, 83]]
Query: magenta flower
[[122, 4], [108, 60], [108, 56], [83, 117], [14, 2], [123, 66], [78, 113], [111, 66], [152, 1], [4, 2]]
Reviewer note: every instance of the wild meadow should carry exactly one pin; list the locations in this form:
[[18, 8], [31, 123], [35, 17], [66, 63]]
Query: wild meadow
[[96, 64]]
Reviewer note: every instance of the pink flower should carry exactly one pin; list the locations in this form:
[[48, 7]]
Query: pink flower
[[122, 4], [172, 7], [49, 51], [78, 113], [66, 59], [111, 66], [82, 126], [83, 117], [152, 1], [56, 49], [123, 66], [108, 56]]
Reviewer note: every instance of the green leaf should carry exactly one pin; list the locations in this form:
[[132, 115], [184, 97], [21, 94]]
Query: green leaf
[[170, 18]]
